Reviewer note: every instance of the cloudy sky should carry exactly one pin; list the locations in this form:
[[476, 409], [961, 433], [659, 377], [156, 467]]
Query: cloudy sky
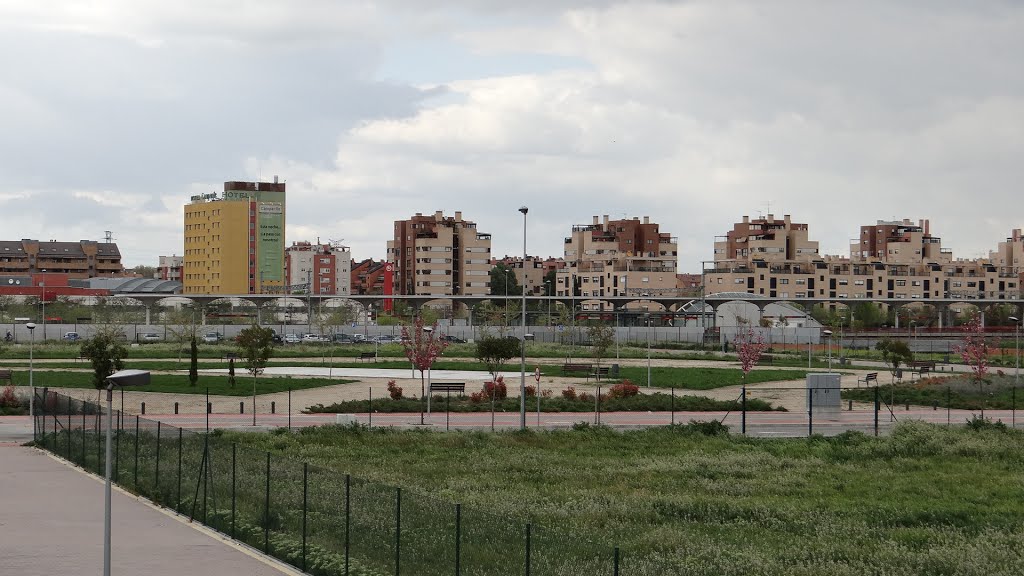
[[695, 113]]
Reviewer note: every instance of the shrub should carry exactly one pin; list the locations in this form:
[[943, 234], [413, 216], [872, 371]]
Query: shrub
[[585, 397], [8, 399], [546, 393], [978, 424], [709, 428], [497, 389], [394, 391], [625, 389], [531, 391], [569, 393]]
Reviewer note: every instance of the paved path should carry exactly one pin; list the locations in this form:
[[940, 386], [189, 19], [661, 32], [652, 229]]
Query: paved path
[[52, 523]]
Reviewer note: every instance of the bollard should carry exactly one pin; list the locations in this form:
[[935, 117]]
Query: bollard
[[143, 408], [241, 407], [209, 407], [175, 407], [849, 407], [273, 407], [908, 407]]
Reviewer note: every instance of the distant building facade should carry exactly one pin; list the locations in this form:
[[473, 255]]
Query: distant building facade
[[82, 259], [369, 277], [234, 244], [440, 256], [325, 268], [170, 268]]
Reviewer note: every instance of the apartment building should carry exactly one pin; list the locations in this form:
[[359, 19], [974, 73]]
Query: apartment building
[[82, 259], [170, 268], [372, 277], [531, 276], [890, 260], [440, 256], [629, 257], [234, 243], [320, 268]]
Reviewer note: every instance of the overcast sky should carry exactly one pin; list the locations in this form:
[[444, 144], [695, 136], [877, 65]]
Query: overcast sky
[[114, 112]]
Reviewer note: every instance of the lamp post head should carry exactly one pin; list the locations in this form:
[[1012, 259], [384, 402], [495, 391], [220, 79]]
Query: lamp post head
[[30, 326], [1014, 318], [129, 378], [826, 332], [524, 210]]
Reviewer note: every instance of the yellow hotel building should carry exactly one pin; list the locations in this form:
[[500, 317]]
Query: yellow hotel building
[[234, 244]]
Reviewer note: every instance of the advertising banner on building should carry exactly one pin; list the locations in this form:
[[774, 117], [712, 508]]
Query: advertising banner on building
[[270, 241]]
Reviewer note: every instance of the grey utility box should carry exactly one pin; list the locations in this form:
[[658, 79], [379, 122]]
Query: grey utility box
[[823, 394]]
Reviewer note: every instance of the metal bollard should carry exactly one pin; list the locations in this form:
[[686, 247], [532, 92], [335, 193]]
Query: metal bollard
[[175, 407], [143, 408], [849, 408], [241, 407], [273, 407], [209, 407]]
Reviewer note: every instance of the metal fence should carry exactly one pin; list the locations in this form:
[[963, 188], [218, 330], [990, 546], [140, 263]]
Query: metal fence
[[320, 520]]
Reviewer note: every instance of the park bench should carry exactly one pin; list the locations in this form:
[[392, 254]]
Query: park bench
[[459, 387], [598, 373], [229, 356], [922, 366], [367, 356], [766, 359], [569, 369], [868, 379], [5, 376]]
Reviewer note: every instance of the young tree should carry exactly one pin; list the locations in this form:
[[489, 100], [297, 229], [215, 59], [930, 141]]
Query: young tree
[[974, 352], [749, 347], [182, 324], [895, 353], [494, 351], [422, 347], [602, 337], [256, 345], [106, 353], [193, 367]]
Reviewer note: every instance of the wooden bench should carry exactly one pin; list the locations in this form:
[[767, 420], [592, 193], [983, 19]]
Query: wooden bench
[[598, 373], [230, 356], [922, 366], [868, 379], [766, 359], [585, 369], [449, 387], [5, 376], [367, 356]]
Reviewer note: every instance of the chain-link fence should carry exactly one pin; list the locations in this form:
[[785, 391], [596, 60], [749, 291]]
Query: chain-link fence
[[321, 521]]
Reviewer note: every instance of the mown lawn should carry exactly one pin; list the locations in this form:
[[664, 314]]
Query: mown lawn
[[926, 500], [179, 384]]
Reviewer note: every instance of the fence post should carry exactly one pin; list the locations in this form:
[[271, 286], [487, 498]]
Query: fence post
[[616, 561], [810, 412], [117, 450], [369, 410], [84, 467], [1013, 408], [305, 495], [348, 516], [949, 401], [743, 411], [597, 405], [289, 408], [135, 480], [69, 430], [398, 531], [876, 410], [528, 526], [156, 476], [179, 467], [458, 539], [673, 390], [266, 511], [234, 448]]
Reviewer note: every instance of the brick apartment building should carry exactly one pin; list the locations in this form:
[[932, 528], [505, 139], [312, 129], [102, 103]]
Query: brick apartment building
[[629, 257], [370, 277], [328, 268], [440, 256], [82, 259], [892, 260]]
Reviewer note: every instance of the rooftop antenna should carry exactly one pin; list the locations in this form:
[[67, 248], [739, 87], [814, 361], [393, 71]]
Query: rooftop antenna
[[108, 236]]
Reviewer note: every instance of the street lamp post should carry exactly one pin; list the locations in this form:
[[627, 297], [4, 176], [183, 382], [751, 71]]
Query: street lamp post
[[522, 365], [31, 385], [1016, 349], [121, 379], [828, 333]]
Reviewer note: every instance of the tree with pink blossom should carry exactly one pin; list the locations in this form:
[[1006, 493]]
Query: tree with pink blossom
[[750, 345], [974, 352], [422, 347]]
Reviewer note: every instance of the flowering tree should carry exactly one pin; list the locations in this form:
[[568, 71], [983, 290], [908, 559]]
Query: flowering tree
[[749, 347], [422, 346], [974, 352]]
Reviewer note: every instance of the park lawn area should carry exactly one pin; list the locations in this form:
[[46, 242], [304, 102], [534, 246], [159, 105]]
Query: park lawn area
[[957, 392], [179, 384], [925, 500], [703, 378]]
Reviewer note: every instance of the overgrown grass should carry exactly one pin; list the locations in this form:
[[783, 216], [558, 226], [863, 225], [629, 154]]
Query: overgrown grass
[[926, 500], [179, 384]]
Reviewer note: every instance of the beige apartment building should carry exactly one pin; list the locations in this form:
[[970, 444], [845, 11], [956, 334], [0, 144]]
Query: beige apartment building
[[531, 276], [890, 260], [440, 256], [629, 257]]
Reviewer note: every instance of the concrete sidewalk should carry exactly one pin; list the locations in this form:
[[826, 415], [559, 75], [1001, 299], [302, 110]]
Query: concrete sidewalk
[[51, 522]]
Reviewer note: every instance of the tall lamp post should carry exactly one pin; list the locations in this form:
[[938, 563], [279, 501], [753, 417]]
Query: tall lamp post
[[1016, 349], [522, 338], [32, 388], [828, 333], [120, 379]]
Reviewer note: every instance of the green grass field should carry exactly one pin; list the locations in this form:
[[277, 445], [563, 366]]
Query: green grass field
[[926, 500], [179, 384]]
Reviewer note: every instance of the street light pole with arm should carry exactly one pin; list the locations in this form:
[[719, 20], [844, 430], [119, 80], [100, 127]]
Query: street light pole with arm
[[522, 365]]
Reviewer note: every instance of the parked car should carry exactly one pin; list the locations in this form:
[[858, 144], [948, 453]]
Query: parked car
[[357, 338], [452, 339], [149, 337], [342, 339], [212, 337], [71, 337], [292, 339], [313, 339], [276, 338], [388, 339]]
